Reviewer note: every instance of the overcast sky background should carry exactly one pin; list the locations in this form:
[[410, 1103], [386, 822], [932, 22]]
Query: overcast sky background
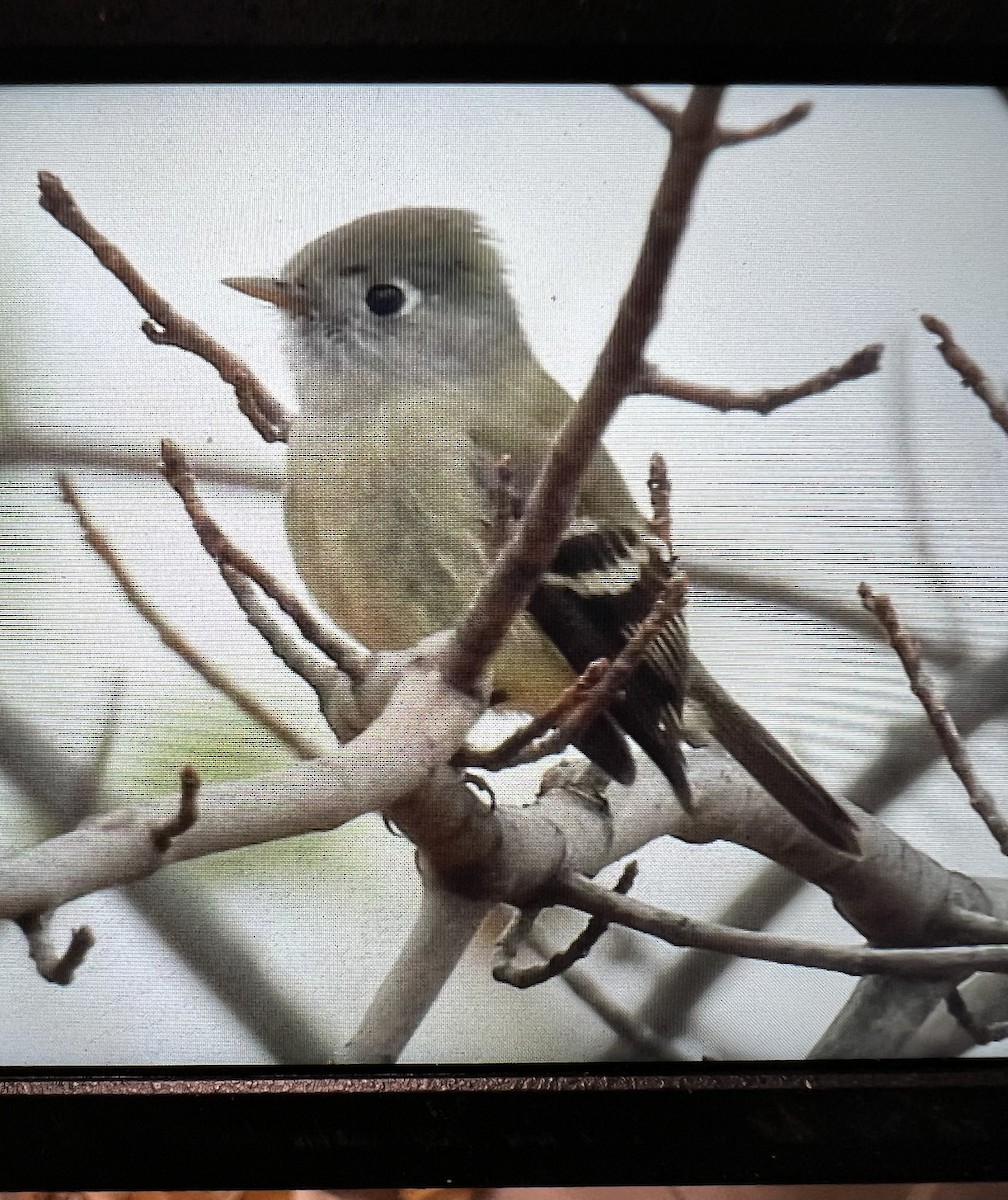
[[882, 205]]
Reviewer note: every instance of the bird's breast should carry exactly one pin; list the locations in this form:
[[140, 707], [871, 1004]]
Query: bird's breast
[[379, 514]]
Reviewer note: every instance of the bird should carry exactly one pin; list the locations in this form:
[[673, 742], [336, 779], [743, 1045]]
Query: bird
[[415, 383]]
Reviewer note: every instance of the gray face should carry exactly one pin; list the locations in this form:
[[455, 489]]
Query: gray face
[[403, 299]]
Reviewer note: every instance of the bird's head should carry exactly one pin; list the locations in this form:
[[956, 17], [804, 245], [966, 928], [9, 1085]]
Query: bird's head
[[406, 295]]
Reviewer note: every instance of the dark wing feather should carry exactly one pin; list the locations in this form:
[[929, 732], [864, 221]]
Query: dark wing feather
[[603, 582]]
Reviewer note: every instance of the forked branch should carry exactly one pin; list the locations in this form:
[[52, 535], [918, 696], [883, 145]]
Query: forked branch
[[941, 719], [166, 326]]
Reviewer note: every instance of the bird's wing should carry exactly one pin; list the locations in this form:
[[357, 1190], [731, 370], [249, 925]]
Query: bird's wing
[[603, 582]]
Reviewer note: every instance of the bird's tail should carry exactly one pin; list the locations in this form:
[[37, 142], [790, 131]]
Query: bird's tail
[[771, 764]]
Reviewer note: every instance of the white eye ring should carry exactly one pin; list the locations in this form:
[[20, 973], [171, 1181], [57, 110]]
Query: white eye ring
[[391, 298]]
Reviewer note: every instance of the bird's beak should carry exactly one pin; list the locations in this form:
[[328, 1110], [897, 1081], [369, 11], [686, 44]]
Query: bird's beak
[[284, 295]]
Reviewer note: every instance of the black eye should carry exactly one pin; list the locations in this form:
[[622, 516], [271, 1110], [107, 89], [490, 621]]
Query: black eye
[[384, 299]]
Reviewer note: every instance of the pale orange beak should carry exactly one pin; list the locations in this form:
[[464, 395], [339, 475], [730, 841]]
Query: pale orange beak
[[284, 295]]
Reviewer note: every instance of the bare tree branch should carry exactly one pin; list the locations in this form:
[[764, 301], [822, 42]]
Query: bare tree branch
[[736, 137], [862, 362], [671, 118], [444, 927], [167, 327], [174, 639], [29, 448], [343, 650], [506, 591], [591, 694], [981, 800], [678, 930], [392, 758], [164, 834], [329, 683], [527, 847], [977, 695], [968, 370], [622, 1022], [538, 737], [55, 966], [505, 969], [60, 790], [881, 1017], [907, 464]]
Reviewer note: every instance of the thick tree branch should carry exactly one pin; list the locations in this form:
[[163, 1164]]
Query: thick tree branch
[[61, 790], [393, 757], [444, 927], [519, 854], [978, 694], [506, 591], [167, 327]]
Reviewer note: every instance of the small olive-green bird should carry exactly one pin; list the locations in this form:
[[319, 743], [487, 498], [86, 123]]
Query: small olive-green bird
[[414, 380]]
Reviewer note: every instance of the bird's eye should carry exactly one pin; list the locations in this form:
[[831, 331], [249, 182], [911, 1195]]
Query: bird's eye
[[384, 299]]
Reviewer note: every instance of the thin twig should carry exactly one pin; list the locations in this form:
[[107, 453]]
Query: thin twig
[[629, 1028], [660, 491], [53, 966], [173, 638], [167, 327], [915, 482], [862, 362], [505, 970], [518, 746], [346, 653], [321, 675], [923, 688], [664, 610], [968, 370], [164, 834], [736, 137], [677, 930], [587, 697], [669, 116], [515, 935]]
